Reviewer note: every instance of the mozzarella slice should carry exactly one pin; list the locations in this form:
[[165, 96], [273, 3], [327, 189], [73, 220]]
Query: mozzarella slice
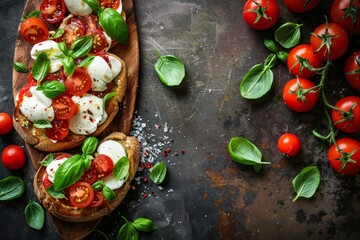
[[115, 66], [52, 51], [78, 7], [53, 167], [100, 73]]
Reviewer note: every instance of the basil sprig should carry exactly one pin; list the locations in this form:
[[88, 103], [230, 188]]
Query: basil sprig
[[11, 187], [34, 215], [130, 229], [170, 70], [52, 89], [306, 182], [42, 124], [158, 172], [47, 160], [41, 67], [107, 192], [20, 67], [59, 32], [288, 35], [121, 168]]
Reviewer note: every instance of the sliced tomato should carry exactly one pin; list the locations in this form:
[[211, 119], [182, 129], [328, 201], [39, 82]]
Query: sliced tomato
[[46, 181], [71, 33], [53, 11], [24, 92], [79, 83], [78, 21], [64, 107], [34, 30], [114, 4], [59, 130], [98, 199], [92, 22], [89, 176], [99, 40], [56, 76], [103, 165], [63, 155], [81, 194], [31, 80]]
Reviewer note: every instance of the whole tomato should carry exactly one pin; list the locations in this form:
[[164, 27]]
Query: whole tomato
[[301, 6], [13, 157], [344, 156], [352, 70], [346, 116], [300, 94], [330, 37], [289, 144], [261, 14], [6, 123], [302, 61], [346, 15]]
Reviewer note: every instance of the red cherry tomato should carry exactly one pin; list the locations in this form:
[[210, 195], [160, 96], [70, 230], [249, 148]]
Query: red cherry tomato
[[114, 4], [89, 176], [338, 37], [345, 15], [79, 83], [347, 117], [13, 157], [300, 95], [53, 11], [92, 22], [34, 30], [59, 130], [6, 123], [71, 33], [289, 144], [81, 194], [98, 199], [56, 76], [342, 155], [63, 155], [300, 54], [352, 70], [47, 183], [301, 6], [64, 107], [99, 40], [103, 165], [261, 14]]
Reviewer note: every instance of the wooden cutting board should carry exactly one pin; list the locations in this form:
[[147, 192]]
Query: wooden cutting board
[[130, 54]]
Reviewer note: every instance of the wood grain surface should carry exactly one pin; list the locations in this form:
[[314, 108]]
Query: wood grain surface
[[122, 122]]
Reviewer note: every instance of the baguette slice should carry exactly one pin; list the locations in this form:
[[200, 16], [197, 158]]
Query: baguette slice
[[40, 141], [75, 214]]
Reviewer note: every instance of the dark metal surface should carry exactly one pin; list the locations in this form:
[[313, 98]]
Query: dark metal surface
[[206, 195]]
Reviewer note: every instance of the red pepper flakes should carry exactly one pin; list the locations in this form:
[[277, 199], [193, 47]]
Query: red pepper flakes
[[146, 165], [146, 153], [145, 195], [168, 150], [145, 180], [133, 187], [182, 151], [157, 126], [165, 154], [176, 153], [153, 193]]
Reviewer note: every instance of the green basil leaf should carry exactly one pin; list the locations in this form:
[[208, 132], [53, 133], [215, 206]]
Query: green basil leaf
[[127, 232], [33, 14], [53, 89], [86, 159], [68, 173], [257, 167], [55, 194], [282, 56], [81, 46], [35, 215], [63, 48], [108, 193], [306, 182], [288, 35], [270, 44], [49, 158], [20, 67], [114, 25], [89, 146], [11, 187], [158, 173], [170, 70], [41, 67], [59, 32], [69, 65], [107, 97], [98, 185], [86, 61], [144, 225], [121, 168], [42, 124], [271, 60], [93, 4], [257, 82]]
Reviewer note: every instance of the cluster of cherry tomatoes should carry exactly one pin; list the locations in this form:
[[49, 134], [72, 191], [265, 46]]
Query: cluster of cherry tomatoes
[[328, 42]]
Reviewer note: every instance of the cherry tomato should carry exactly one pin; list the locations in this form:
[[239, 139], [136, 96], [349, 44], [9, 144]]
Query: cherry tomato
[[289, 144], [89, 176], [300, 95], [103, 165], [53, 11], [71, 33], [99, 40], [34, 30], [56, 76], [64, 107], [59, 130], [301, 6], [346, 151], [24, 92], [297, 59], [78, 21], [114, 4], [352, 70], [81, 194], [336, 36], [347, 117], [13, 157], [63, 155], [98, 199], [79, 83], [261, 14], [92, 22], [6, 123], [47, 183], [347, 16]]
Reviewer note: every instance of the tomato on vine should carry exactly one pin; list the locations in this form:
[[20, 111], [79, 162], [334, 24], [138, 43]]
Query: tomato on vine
[[289, 144], [347, 14], [352, 70], [346, 114], [261, 14], [344, 156], [301, 6]]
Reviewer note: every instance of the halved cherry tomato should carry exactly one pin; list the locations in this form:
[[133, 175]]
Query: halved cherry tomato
[[59, 130], [89, 176], [47, 183], [71, 33], [64, 107], [344, 157], [79, 83], [98, 199], [99, 40], [347, 16], [34, 30], [114, 4], [352, 70], [56, 76], [81, 194], [301, 6], [261, 14], [6, 123], [53, 11], [24, 92], [78, 21], [347, 117], [103, 165], [289, 144], [92, 22]]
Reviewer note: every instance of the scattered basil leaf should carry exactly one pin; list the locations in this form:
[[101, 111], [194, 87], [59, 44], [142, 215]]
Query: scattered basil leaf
[[170, 70], [89, 146], [288, 35], [94, 5], [257, 167], [59, 32], [282, 56], [270, 44], [144, 225], [11, 187], [69, 65], [114, 25], [107, 97], [98, 185], [127, 232], [86, 61], [42, 124], [55, 194], [121, 168], [271, 60], [20, 67], [158, 173], [53, 89], [68, 173], [81, 46], [306, 182], [108, 193], [41, 67], [34, 215], [257, 82], [32, 14], [49, 158]]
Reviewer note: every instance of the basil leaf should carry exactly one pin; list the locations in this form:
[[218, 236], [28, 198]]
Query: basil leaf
[[63, 48], [11, 187], [81, 46], [114, 25], [170, 70], [158, 173], [55, 194], [306, 182], [86, 61], [270, 44], [53, 89], [20, 67], [257, 82], [68, 173], [98, 185], [34, 215], [59, 32], [282, 56], [41, 67], [33, 14], [47, 160], [86, 159], [89, 146], [93, 4], [271, 60], [107, 97], [144, 225], [288, 35], [121, 168], [108, 193], [69, 65], [127, 232], [42, 124], [257, 167]]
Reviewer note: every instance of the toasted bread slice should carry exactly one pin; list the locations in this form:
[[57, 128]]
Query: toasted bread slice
[[39, 140], [75, 214]]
